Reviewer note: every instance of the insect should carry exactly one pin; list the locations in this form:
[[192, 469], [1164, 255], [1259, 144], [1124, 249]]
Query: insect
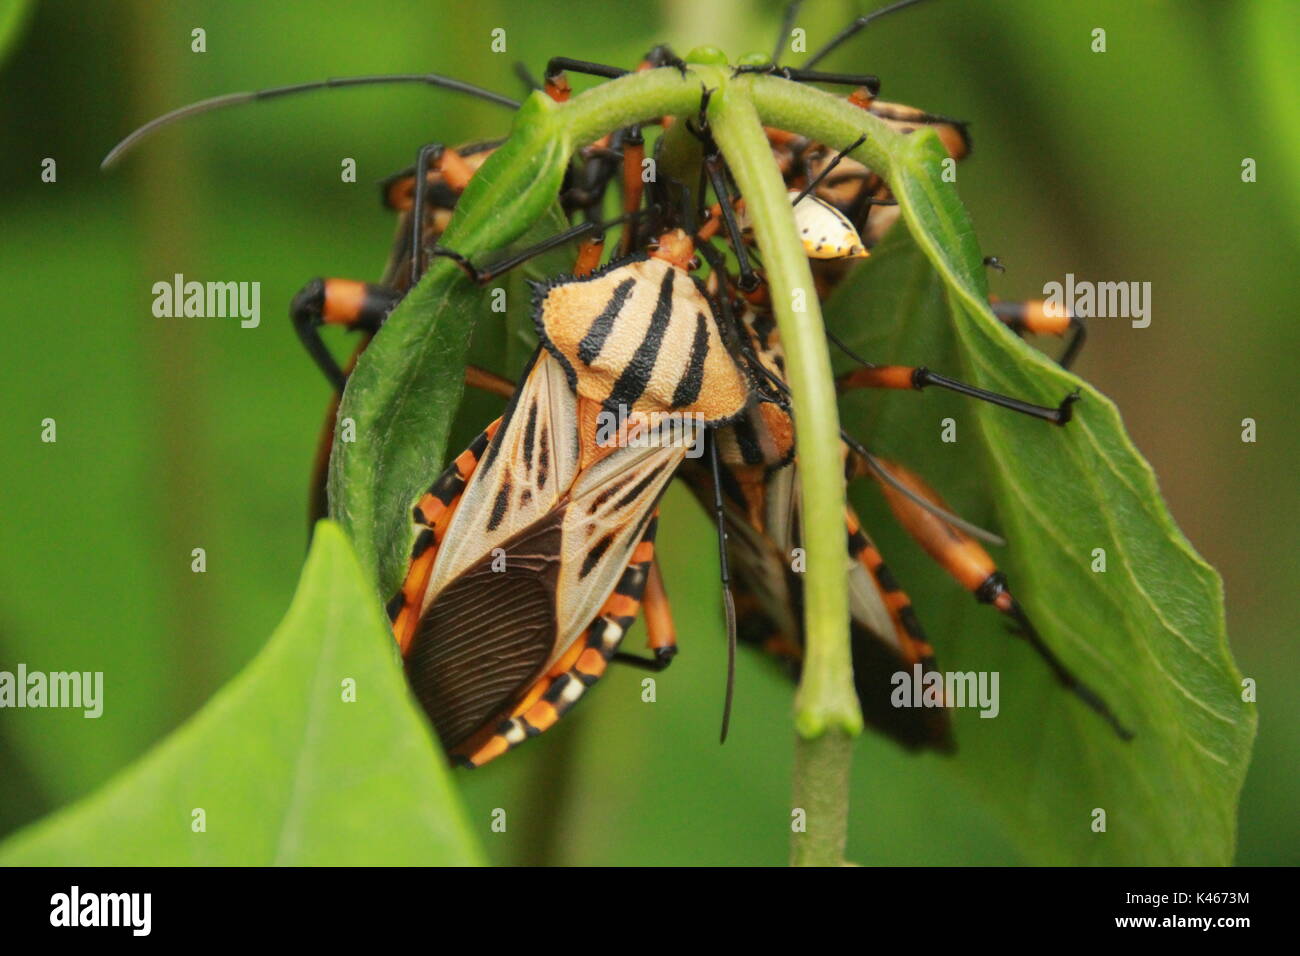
[[498, 652], [758, 479], [536, 546]]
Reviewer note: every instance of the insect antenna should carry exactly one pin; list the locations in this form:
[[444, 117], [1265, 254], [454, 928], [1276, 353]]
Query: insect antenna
[[975, 531], [787, 22], [253, 96], [826, 170], [526, 76], [853, 28], [728, 604]]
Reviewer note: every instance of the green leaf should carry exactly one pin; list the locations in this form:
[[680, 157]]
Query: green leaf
[[1148, 633], [406, 387], [285, 770]]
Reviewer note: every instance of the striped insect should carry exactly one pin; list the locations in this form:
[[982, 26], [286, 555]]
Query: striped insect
[[489, 678], [535, 546]]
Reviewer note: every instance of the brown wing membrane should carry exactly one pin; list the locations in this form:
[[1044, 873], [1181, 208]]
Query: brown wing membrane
[[488, 634]]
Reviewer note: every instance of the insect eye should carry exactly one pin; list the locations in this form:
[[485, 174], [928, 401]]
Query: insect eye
[[693, 264]]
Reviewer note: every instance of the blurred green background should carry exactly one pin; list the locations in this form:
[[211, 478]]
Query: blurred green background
[[176, 434]]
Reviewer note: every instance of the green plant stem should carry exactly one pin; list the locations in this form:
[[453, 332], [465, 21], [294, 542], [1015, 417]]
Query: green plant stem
[[826, 697], [827, 715], [821, 790]]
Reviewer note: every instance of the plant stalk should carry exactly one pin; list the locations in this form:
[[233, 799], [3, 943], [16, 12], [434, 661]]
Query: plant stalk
[[827, 715]]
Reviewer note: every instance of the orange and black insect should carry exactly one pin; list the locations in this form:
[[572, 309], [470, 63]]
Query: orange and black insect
[[536, 546]]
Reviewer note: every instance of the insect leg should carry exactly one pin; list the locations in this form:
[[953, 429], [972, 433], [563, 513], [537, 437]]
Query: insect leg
[[919, 377], [486, 381], [970, 565], [911, 636], [660, 632], [872, 83], [633, 186], [1038, 317], [343, 302], [747, 280], [826, 170], [433, 513], [486, 274], [557, 85], [728, 604], [456, 173]]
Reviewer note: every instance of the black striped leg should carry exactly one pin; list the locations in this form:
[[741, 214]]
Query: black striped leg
[[347, 303], [919, 377], [661, 634], [972, 567], [1039, 317]]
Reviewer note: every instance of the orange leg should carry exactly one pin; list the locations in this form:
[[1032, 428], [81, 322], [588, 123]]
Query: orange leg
[[433, 513], [1040, 317], [919, 377], [972, 567], [661, 633], [633, 187]]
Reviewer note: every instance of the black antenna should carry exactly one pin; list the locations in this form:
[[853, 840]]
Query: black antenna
[[884, 474], [253, 96], [787, 22], [728, 605], [826, 170], [853, 28], [526, 76]]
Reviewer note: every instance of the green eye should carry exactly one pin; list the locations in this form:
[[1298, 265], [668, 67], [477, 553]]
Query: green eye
[[754, 59], [707, 54]]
